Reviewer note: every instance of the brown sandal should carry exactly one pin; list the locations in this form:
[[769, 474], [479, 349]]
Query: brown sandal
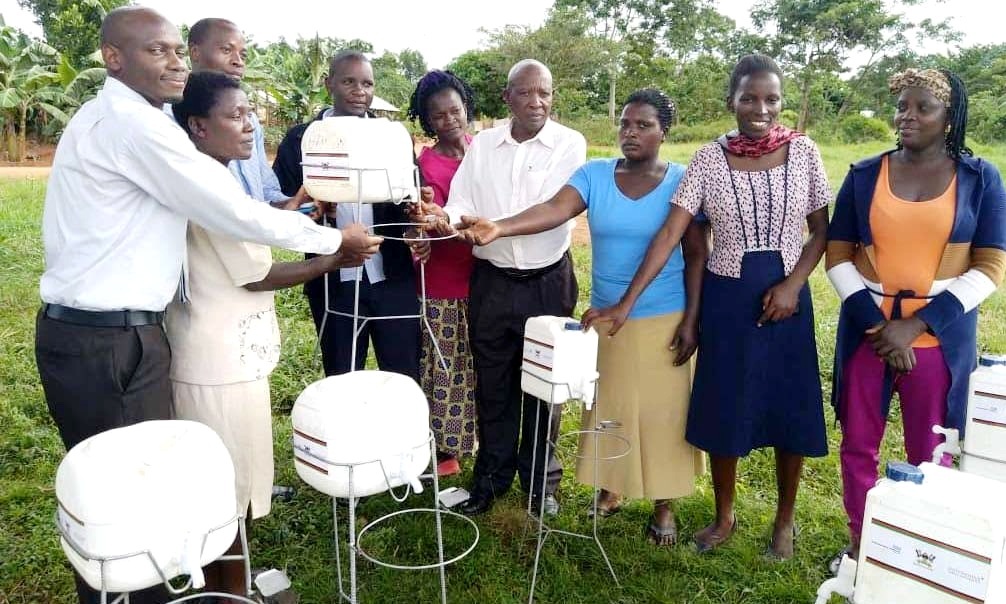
[[604, 511], [662, 536]]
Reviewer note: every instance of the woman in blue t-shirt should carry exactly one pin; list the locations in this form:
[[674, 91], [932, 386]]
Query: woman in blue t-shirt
[[645, 374]]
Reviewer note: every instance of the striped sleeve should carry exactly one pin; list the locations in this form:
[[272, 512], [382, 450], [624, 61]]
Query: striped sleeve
[[987, 264], [843, 241]]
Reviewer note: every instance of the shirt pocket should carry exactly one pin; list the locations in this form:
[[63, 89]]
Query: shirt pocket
[[534, 185]]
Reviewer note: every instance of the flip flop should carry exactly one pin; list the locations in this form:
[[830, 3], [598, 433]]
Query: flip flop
[[656, 534]]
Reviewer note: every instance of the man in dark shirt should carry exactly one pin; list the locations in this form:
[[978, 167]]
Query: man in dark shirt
[[388, 282]]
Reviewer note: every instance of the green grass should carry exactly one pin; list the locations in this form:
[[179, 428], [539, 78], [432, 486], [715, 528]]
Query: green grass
[[297, 535]]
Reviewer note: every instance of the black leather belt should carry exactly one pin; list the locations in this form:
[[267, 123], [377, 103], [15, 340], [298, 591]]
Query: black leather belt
[[521, 274], [104, 318]]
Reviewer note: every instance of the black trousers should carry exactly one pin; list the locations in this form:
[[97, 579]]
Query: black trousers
[[396, 341], [499, 306], [99, 378]]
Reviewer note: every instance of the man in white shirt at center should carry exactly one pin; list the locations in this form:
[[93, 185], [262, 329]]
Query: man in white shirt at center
[[508, 169]]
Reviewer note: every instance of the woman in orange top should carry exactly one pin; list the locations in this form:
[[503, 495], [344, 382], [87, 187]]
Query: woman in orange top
[[915, 244]]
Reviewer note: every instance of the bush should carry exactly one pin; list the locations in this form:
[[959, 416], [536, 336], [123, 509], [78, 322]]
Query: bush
[[274, 134], [856, 128], [788, 117], [701, 133], [986, 117], [597, 129]]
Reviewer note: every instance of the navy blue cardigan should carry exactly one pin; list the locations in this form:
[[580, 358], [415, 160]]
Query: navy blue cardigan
[[952, 315]]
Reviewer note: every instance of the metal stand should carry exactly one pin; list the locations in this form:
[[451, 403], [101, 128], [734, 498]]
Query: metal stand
[[602, 430], [360, 322], [354, 539], [123, 598]]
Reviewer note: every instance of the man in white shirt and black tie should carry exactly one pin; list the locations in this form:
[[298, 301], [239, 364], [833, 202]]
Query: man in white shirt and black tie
[[125, 181], [506, 170]]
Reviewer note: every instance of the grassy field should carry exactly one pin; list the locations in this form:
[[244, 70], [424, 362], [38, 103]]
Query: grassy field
[[297, 535]]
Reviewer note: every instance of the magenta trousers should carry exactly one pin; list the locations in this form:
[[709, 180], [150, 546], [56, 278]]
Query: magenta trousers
[[923, 396]]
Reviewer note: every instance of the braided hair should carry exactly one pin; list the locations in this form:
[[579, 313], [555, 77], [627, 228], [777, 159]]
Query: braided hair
[[666, 110], [435, 82], [957, 116]]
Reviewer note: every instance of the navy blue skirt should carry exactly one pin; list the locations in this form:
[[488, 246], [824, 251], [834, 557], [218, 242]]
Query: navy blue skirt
[[755, 386]]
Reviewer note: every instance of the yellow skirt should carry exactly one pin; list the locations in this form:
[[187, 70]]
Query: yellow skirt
[[640, 388]]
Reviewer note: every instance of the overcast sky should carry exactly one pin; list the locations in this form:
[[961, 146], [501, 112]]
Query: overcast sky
[[442, 30]]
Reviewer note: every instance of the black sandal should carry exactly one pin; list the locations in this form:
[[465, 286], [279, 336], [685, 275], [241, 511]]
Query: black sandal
[[836, 561]]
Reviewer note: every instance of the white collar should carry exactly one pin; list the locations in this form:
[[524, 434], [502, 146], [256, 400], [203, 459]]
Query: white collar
[[545, 136]]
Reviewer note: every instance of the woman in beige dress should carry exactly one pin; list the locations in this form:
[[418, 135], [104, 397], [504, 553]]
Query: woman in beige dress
[[223, 331]]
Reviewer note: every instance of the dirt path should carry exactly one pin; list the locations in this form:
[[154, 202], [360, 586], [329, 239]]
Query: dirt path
[[17, 172], [581, 234]]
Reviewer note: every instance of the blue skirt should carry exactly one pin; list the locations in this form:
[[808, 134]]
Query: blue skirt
[[755, 386]]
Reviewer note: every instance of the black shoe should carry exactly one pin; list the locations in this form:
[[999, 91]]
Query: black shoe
[[478, 503], [281, 493], [551, 507]]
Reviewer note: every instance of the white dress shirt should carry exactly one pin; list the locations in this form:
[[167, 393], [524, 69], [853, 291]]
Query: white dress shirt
[[345, 215], [124, 182], [500, 177]]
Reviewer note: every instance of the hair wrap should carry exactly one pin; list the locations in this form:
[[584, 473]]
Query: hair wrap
[[932, 80]]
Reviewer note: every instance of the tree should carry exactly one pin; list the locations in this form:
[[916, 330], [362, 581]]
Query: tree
[[614, 22], [390, 80], [293, 76], [983, 67], [642, 32], [814, 38], [72, 25], [412, 64], [566, 45], [485, 71], [28, 83]]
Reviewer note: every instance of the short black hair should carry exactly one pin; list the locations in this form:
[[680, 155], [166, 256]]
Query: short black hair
[[750, 65], [666, 110], [431, 84], [202, 90], [202, 28], [345, 55]]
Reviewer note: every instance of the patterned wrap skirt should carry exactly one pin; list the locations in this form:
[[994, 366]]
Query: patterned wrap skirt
[[451, 393]]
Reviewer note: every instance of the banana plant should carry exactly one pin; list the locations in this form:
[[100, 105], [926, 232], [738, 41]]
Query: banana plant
[[28, 83]]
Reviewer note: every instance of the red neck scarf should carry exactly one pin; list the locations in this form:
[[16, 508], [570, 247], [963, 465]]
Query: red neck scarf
[[745, 146]]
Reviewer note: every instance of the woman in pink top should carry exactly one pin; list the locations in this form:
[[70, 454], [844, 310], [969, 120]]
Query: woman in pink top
[[444, 104]]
